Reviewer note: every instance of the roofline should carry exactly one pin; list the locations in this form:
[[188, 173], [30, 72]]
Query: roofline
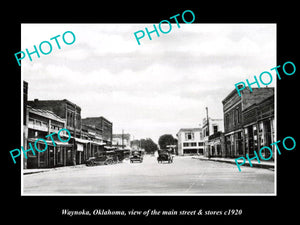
[[36, 111], [97, 117], [235, 91], [58, 100], [190, 129]]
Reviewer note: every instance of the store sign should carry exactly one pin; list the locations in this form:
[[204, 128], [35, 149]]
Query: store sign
[[80, 147]]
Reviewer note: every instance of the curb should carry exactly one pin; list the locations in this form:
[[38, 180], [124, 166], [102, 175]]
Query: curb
[[255, 164], [33, 172]]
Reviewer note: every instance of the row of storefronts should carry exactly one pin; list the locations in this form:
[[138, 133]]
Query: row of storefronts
[[248, 125], [248, 122], [89, 136]]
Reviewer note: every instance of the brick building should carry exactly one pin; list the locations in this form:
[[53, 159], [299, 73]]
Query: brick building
[[91, 140], [259, 127], [65, 110], [236, 126], [41, 123], [103, 125], [71, 113]]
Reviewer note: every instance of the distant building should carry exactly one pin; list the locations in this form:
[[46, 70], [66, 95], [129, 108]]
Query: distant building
[[213, 137], [103, 125], [243, 117], [190, 141], [91, 140], [121, 140]]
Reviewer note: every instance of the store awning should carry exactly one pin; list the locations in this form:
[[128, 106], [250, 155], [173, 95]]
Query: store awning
[[57, 143], [109, 148], [98, 143], [83, 141]]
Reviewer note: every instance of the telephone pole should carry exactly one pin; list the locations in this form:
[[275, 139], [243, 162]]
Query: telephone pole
[[122, 139]]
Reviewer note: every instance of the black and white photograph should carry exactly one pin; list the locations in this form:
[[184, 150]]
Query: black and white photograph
[[129, 109], [149, 113]]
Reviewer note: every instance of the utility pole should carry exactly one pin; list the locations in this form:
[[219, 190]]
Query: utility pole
[[207, 120], [122, 139], [207, 123]]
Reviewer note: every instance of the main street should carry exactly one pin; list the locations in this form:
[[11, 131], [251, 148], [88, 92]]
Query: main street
[[184, 176]]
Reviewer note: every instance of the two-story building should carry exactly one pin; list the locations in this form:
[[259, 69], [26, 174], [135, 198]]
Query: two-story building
[[236, 110], [121, 140], [259, 127], [103, 126], [71, 113], [190, 141], [41, 123], [213, 136], [212, 130], [91, 140]]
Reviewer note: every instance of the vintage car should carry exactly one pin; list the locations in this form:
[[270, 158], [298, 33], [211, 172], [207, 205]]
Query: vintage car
[[106, 158], [136, 156], [164, 157]]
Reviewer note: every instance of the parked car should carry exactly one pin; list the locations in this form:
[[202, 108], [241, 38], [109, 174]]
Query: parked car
[[106, 158], [164, 157], [136, 156]]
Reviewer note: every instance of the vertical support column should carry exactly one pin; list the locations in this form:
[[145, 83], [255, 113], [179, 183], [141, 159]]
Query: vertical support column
[[54, 154]]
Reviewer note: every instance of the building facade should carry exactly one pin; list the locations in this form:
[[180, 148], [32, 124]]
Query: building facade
[[71, 113], [239, 116], [103, 126], [190, 141], [211, 132], [259, 127], [121, 140], [91, 140], [41, 123], [65, 110]]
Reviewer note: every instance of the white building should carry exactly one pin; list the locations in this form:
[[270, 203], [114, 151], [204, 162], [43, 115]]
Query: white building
[[121, 140], [190, 141], [211, 128]]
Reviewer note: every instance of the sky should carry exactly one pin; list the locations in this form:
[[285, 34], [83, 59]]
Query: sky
[[150, 89]]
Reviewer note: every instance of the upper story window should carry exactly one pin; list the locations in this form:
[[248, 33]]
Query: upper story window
[[189, 136], [215, 127]]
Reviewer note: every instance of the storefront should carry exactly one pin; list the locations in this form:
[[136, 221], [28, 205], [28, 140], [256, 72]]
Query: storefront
[[53, 156]]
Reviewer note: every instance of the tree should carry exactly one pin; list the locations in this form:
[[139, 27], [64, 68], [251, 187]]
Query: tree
[[148, 144], [166, 139]]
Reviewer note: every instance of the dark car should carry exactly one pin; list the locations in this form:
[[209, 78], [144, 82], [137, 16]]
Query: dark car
[[104, 159], [136, 156], [164, 157]]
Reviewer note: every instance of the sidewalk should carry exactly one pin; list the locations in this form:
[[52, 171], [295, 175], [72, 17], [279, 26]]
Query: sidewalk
[[255, 163], [42, 170]]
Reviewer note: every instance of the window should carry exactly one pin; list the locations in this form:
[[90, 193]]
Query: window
[[189, 136], [193, 144], [185, 144], [200, 143], [215, 127], [237, 111], [227, 120]]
